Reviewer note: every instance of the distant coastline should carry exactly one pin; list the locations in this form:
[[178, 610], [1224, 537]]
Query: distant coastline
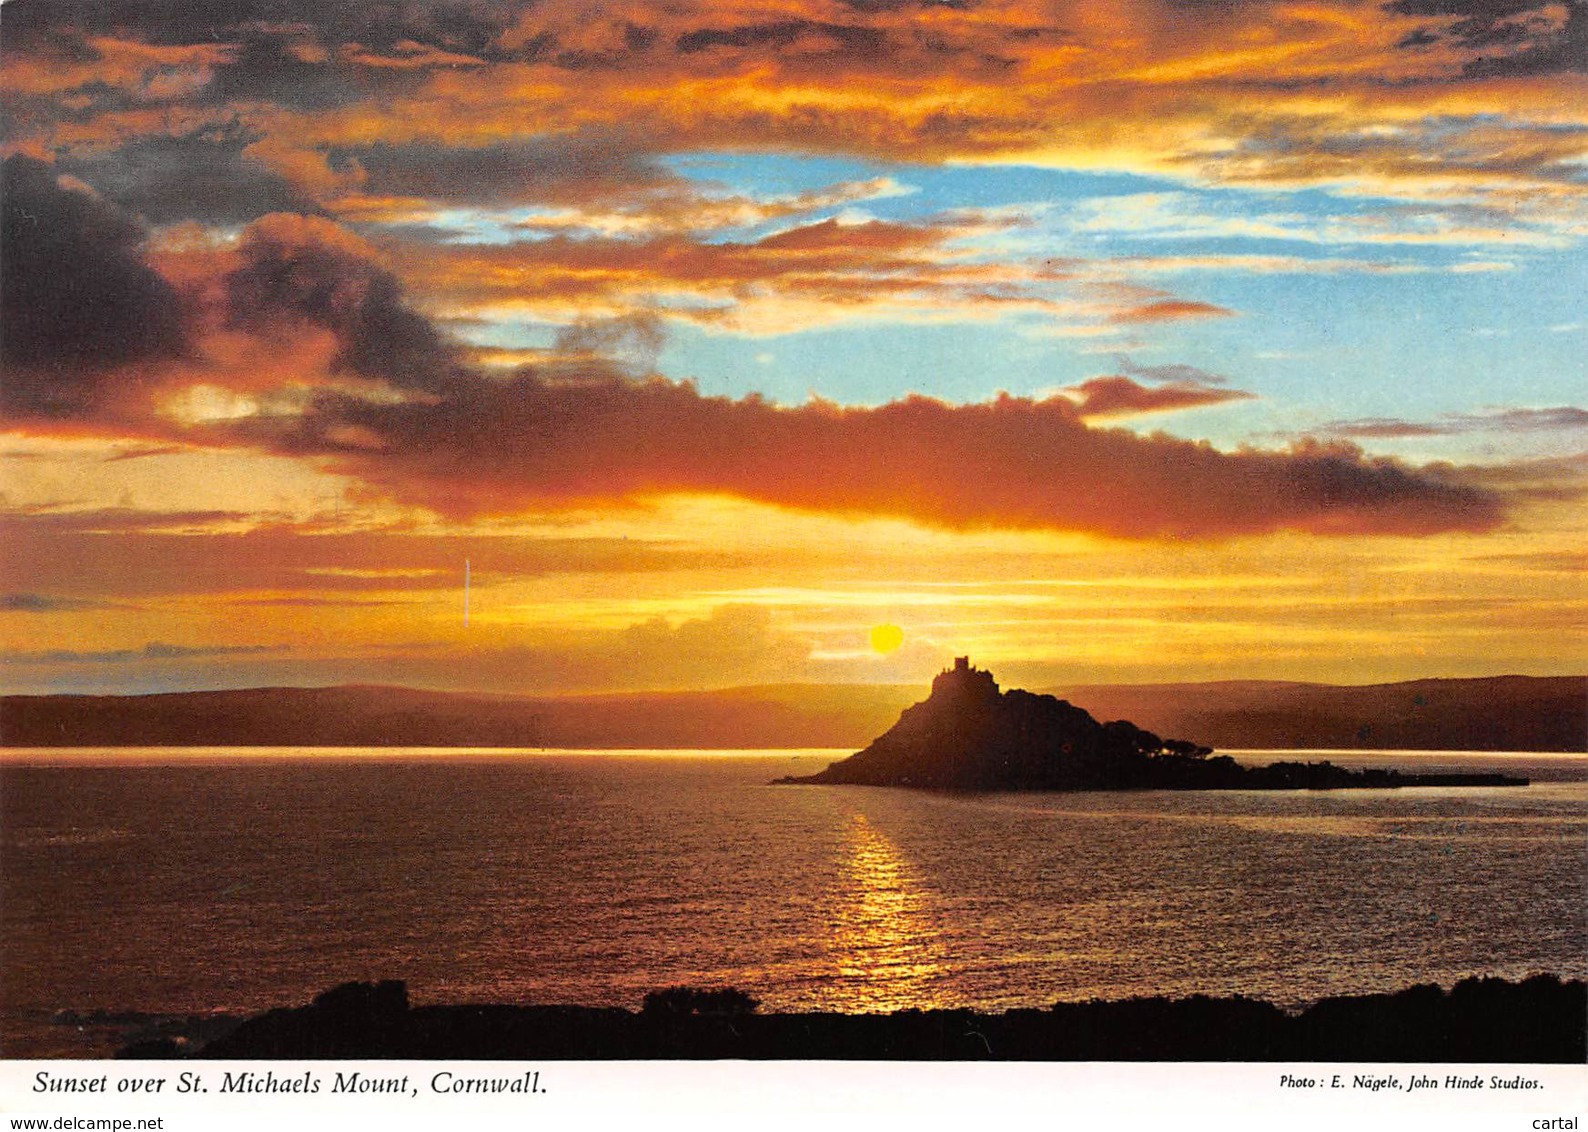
[[1499, 713]]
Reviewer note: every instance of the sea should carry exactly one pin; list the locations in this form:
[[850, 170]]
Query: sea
[[148, 885]]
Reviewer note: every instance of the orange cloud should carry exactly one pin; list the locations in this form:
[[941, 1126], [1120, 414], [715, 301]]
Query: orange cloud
[[1119, 396], [400, 410], [810, 274], [807, 274], [148, 72], [1170, 310], [1430, 97], [493, 446]]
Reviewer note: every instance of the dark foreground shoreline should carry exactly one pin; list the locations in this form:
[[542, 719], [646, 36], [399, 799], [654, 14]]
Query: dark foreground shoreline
[[1541, 1020]]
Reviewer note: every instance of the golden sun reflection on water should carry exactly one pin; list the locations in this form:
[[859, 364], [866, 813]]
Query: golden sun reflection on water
[[886, 943]]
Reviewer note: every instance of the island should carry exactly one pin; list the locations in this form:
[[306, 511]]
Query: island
[[968, 735]]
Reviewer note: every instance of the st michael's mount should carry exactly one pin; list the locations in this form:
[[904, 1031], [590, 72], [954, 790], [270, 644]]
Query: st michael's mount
[[969, 735]]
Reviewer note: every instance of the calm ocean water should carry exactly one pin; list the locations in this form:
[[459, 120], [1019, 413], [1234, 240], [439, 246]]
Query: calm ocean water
[[177, 882]]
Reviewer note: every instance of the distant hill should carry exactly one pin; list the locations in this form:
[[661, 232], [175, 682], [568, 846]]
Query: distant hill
[[359, 716], [1515, 713], [1492, 713]]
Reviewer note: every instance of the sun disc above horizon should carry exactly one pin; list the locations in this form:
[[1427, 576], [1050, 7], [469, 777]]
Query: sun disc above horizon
[[886, 638]]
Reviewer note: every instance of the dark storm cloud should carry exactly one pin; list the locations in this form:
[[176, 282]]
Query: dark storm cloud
[[303, 55], [1469, 9], [203, 175], [79, 303], [565, 169], [301, 270], [329, 65], [458, 25], [269, 65], [783, 35], [1512, 34], [1567, 50]]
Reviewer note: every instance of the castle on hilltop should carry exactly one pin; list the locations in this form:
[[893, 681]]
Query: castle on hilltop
[[963, 681], [968, 735]]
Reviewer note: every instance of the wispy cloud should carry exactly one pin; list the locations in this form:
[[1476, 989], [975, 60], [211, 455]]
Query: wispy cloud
[[1500, 222], [153, 651], [46, 603], [1560, 418]]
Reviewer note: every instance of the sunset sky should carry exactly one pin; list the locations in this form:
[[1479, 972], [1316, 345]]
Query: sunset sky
[[747, 342]]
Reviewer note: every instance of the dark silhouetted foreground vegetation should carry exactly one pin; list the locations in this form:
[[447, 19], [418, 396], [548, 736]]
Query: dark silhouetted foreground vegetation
[[1539, 1020]]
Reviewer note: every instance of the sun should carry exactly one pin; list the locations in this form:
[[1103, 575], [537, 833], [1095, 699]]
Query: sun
[[886, 638]]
